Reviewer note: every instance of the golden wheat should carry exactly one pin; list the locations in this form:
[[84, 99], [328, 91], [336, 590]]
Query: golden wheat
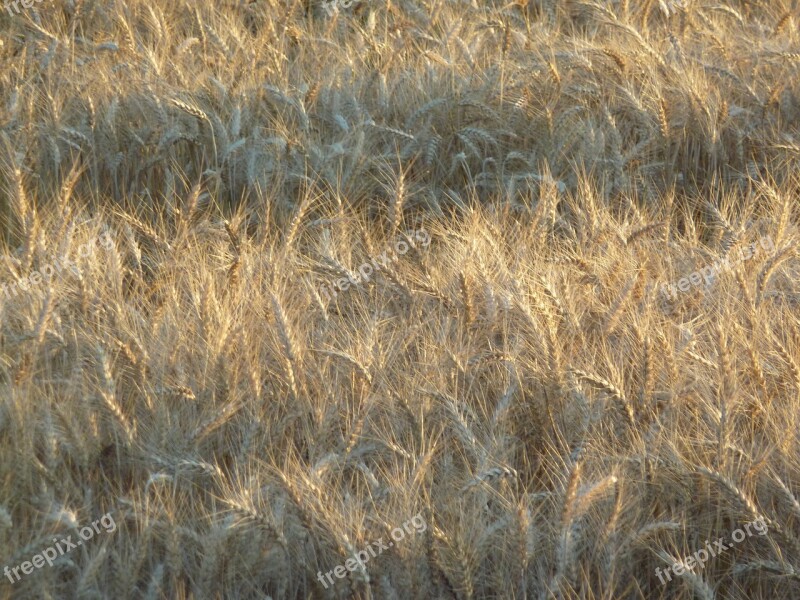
[[251, 432]]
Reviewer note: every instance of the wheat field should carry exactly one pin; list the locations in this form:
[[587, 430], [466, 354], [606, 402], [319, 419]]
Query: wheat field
[[191, 344]]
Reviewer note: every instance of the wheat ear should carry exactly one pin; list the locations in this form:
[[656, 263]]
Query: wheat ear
[[612, 390], [108, 393], [741, 498], [769, 268], [288, 343], [397, 203], [725, 393]]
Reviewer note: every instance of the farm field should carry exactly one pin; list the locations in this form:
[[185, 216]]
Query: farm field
[[399, 299]]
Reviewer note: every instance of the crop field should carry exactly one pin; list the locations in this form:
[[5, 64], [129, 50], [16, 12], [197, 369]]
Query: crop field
[[380, 299]]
